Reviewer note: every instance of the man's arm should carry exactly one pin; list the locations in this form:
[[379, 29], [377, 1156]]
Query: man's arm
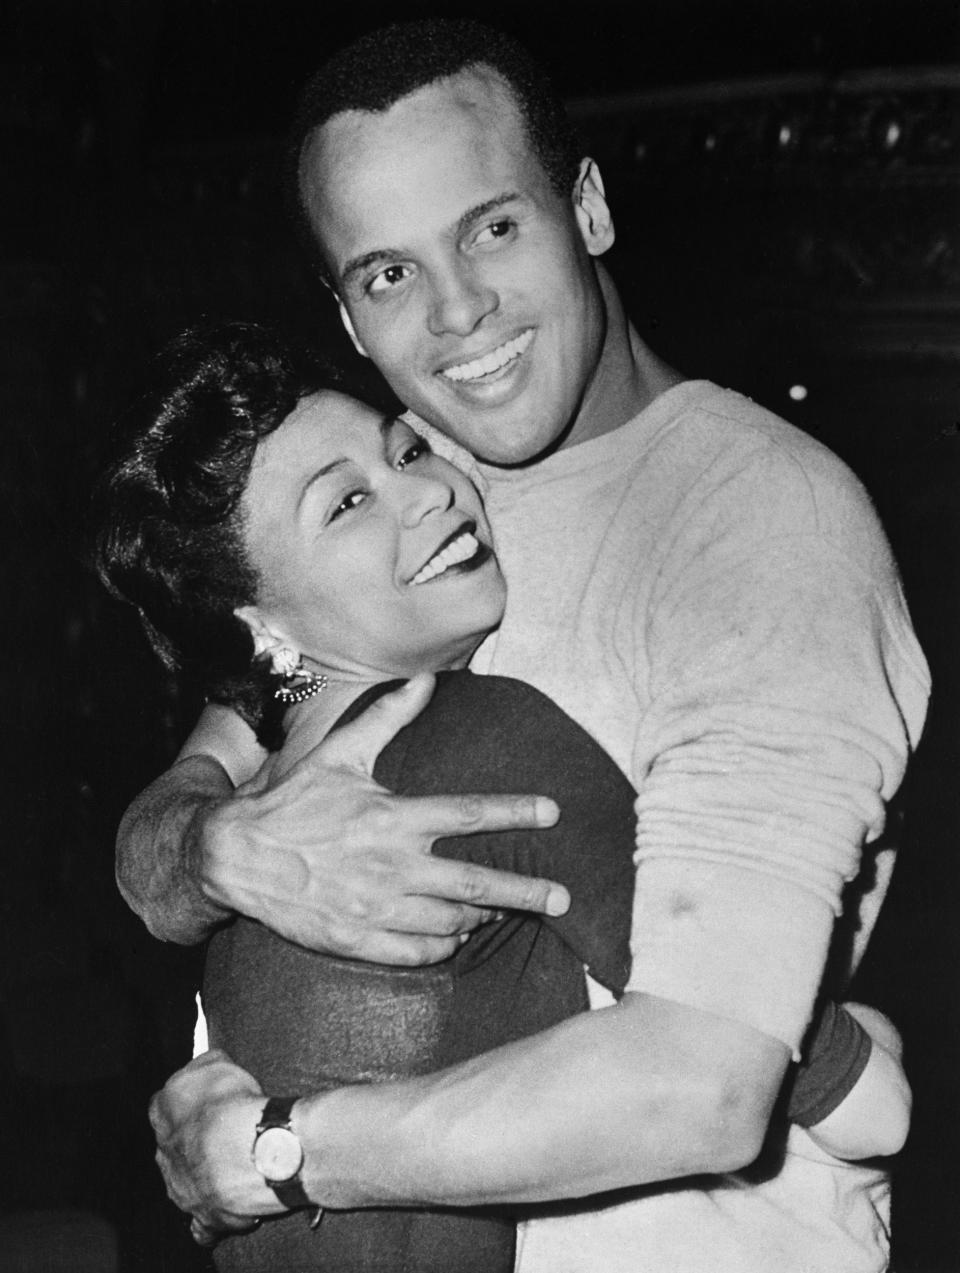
[[161, 862], [325, 857], [641, 1092], [874, 1117], [159, 851]]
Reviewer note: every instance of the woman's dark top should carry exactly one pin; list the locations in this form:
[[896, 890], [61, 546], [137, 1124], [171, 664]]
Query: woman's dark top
[[303, 1022]]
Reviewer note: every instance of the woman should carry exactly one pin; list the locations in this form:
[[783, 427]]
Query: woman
[[294, 548]]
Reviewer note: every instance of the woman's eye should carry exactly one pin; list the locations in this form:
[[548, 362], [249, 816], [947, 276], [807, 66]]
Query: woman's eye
[[348, 502], [388, 278], [415, 451]]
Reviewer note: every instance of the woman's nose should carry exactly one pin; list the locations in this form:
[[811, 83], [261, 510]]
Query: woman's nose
[[424, 495]]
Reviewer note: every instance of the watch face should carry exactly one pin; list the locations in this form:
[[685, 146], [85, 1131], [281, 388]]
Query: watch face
[[277, 1154]]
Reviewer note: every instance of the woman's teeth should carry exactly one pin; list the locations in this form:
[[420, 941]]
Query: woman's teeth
[[463, 548], [491, 362]]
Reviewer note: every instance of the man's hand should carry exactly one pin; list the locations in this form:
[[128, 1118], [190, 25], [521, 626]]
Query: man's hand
[[332, 861], [205, 1120]]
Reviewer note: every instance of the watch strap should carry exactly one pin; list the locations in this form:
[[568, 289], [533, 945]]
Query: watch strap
[[291, 1193]]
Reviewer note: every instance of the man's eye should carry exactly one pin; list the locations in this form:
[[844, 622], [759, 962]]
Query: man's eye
[[415, 451], [388, 278], [348, 502], [496, 230]]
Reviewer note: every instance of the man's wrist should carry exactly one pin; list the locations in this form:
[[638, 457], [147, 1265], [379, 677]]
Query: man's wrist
[[343, 1143], [241, 1189], [278, 1156], [158, 869]]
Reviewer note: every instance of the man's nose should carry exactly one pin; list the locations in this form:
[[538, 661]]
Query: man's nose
[[460, 301]]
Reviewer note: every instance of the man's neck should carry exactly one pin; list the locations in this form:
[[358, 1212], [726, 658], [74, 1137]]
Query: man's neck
[[628, 376]]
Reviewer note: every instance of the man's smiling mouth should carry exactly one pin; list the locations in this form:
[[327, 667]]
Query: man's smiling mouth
[[496, 360], [462, 547]]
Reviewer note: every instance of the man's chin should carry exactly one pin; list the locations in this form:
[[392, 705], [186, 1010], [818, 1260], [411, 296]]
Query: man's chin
[[518, 448], [499, 440]]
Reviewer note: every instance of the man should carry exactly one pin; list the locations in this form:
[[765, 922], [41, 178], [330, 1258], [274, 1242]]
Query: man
[[702, 587]]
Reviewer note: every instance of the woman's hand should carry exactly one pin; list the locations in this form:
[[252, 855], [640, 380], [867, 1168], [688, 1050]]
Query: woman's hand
[[205, 1121]]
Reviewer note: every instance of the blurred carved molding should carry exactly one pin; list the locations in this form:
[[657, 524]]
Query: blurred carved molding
[[838, 196]]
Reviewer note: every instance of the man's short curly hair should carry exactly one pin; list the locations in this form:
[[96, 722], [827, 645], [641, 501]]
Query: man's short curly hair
[[386, 65]]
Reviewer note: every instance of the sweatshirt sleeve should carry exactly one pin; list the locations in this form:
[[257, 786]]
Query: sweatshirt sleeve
[[786, 692], [835, 1054]]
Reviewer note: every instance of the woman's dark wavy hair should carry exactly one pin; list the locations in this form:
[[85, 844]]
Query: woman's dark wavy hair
[[169, 536], [384, 66]]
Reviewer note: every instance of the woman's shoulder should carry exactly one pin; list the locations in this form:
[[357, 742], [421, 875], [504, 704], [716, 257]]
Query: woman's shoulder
[[460, 697], [491, 733]]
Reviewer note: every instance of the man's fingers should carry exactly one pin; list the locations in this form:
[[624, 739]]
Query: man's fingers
[[482, 886], [466, 814], [408, 950], [208, 1235], [427, 916], [204, 1234], [358, 744]]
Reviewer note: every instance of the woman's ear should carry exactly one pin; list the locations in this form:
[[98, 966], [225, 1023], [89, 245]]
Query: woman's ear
[[268, 641], [592, 210], [351, 330]]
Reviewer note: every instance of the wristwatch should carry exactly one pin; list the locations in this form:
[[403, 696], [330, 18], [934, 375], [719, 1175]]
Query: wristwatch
[[278, 1154]]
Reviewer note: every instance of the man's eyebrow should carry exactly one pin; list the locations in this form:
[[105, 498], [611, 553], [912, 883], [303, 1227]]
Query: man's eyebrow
[[477, 213], [357, 264]]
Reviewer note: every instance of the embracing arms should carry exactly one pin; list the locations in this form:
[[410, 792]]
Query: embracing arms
[[325, 857], [668, 1092], [644, 1091]]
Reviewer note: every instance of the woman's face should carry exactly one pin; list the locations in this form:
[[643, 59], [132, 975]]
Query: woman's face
[[373, 554]]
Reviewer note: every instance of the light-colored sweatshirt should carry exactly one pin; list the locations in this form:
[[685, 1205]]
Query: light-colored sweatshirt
[[708, 591]]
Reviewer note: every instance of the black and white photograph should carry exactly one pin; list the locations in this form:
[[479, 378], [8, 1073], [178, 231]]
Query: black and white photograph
[[481, 534]]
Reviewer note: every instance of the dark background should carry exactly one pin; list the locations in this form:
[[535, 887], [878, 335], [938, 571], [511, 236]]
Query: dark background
[[785, 179]]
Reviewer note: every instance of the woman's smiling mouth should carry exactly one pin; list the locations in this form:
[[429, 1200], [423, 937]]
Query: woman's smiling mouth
[[462, 547]]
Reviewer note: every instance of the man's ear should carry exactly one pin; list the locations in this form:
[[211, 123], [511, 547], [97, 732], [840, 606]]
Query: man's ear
[[591, 209], [268, 640], [351, 331]]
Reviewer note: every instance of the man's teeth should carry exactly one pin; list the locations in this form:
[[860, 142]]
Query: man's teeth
[[493, 361], [463, 548]]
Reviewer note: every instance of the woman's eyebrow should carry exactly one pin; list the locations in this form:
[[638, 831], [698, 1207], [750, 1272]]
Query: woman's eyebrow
[[385, 424], [315, 477]]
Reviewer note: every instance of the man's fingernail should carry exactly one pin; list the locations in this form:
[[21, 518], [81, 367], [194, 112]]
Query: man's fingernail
[[546, 812], [558, 901]]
